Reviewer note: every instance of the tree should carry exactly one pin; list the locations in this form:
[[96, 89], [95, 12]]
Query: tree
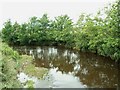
[[7, 31], [62, 22], [44, 22]]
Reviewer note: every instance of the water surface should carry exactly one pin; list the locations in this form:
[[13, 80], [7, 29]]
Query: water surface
[[72, 69]]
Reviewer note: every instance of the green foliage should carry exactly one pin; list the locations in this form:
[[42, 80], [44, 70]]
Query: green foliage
[[30, 84], [100, 35], [6, 31], [8, 67], [91, 33], [62, 22], [9, 52]]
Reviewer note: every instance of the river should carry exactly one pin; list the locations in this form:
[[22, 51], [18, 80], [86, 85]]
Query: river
[[72, 69]]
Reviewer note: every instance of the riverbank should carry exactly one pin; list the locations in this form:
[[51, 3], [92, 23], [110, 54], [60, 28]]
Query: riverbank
[[8, 66], [11, 64]]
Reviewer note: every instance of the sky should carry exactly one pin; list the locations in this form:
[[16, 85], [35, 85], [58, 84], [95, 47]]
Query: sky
[[22, 10]]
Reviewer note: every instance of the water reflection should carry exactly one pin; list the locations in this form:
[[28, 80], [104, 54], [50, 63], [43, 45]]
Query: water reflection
[[89, 69]]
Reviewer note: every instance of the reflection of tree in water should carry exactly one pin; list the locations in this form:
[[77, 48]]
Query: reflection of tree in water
[[96, 71], [92, 70]]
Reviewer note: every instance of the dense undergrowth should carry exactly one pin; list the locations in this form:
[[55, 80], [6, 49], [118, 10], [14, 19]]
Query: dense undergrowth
[[90, 33], [8, 67], [11, 64]]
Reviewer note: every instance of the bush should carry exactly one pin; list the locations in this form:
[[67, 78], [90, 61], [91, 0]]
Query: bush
[[8, 67]]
